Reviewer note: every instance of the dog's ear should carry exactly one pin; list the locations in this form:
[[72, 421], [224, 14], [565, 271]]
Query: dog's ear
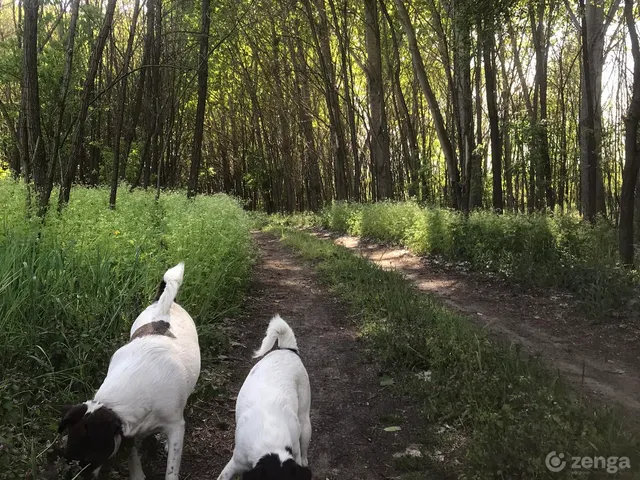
[[257, 473], [302, 473], [71, 415], [293, 471]]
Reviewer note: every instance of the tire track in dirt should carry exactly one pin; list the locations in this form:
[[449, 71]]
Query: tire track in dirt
[[599, 360]]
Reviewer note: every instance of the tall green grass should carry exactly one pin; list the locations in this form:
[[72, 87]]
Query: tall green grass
[[70, 289], [498, 413], [534, 250]]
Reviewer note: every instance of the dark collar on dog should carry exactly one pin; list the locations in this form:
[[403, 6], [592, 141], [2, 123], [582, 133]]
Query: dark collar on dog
[[294, 350]]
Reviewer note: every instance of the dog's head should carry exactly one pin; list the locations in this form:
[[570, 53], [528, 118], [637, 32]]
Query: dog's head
[[94, 434], [271, 467]]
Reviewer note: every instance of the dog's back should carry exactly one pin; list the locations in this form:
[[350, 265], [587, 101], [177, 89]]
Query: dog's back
[[272, 409], [162, 356]]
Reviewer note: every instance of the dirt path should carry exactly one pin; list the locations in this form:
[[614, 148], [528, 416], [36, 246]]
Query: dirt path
[[601, 360], [349, 407]]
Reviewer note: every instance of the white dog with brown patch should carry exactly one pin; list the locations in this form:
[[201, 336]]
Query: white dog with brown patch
[[146, 389], [273, 428]]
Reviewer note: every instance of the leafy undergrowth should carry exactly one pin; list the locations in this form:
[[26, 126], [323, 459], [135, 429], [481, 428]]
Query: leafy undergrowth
[[70, 289], [499, 414], [534, 250]]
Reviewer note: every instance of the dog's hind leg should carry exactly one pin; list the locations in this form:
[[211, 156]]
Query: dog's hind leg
[[304, 409], [305, 438], [229, 471], [175, 440]]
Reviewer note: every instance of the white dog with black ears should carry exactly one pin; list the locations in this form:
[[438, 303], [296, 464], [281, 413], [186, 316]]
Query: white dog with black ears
[[273, 428], [146, 389]]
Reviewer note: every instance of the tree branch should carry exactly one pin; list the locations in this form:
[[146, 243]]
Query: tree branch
[[572, 16]]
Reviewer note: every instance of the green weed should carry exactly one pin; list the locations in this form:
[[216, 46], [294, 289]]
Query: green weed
[[71, 287], [533, 250]]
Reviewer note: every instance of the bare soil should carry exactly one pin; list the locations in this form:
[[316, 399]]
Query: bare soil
[[599, 358], [350, 408]]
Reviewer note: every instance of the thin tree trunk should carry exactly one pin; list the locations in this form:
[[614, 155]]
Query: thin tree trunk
[[14, 160], [380, 151], [591, 207], [320, 32], [488, 48], [562, 177], [314, 189], [135, 113], [35, 153], [480, 154], [62, 101], [405, 117], [203, 75], [121, 106], [595, 21], [87, 91], [443, 135], [344, 43], [631, 146], [541, 42], [464, 113]]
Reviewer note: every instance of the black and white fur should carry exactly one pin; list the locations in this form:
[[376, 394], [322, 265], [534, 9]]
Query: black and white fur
[[273, 428], [146, 389]]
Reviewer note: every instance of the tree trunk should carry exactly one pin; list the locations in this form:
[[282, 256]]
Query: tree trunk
[[464, 92], [16, 148], [137, 105], [35, 151], [379, 145], [93, 170], [311, 167], [344, 43], [121, 106], [203, 75], [62, 100], [631, 147], [320, 32], [413, 157], [152, 94], [590, 207], [480, 154], [443, 135], [87, 91], [541, 42], [592, 28], [488, 48], [562, 177]]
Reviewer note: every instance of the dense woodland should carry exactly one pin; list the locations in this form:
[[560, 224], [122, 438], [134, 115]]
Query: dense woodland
[[509, 105]]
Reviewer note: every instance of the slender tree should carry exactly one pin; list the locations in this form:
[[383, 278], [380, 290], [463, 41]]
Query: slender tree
[[434, 107], [203, 75], [35, 151], [379, 144], [631, 145], [69, 171]]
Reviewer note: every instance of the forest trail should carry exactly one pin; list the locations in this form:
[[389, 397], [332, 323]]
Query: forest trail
[[349, 407], [599, 359]]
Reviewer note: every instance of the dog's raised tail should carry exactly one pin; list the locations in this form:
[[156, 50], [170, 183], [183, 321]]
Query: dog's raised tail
[[168, 288], [278, 331]]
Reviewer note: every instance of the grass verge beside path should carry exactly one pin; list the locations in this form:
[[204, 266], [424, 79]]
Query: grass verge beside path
[[497, 413], [70, 289], [533, 250]]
